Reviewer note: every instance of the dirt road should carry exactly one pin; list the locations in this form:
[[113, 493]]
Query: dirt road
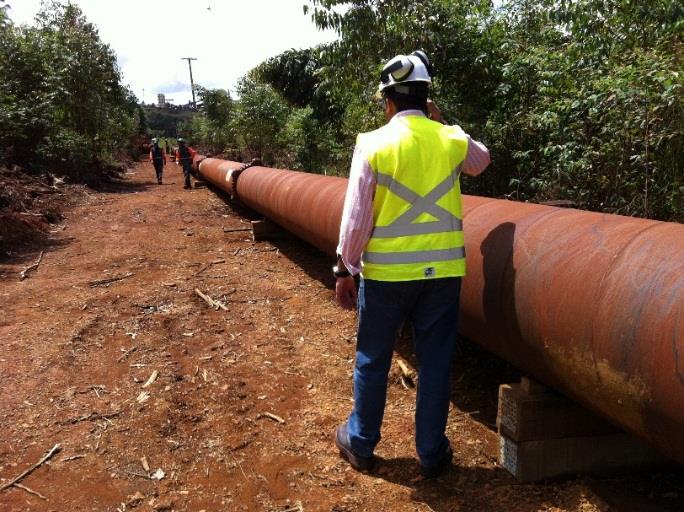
[[160, 402]]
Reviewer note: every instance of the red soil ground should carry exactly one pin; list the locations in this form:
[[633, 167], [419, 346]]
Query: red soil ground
[[76, 358]]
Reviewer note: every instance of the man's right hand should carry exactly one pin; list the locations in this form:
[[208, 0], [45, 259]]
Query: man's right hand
[[434, 113], [345, 291]]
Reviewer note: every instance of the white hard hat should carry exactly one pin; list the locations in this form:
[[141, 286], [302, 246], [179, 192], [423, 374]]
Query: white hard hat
[[154, 141], [405, 68]]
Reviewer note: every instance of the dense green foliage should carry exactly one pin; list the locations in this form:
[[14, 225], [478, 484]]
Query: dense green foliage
[[62, 104], [164, 122], [262, 124], [577, 100], [580, 100], [591, 105], [295, 74], [212, 127]]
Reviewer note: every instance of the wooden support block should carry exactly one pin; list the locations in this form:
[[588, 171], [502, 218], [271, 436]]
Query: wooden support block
[[267, 230], [544, 415], [544, 435], [532, 461]]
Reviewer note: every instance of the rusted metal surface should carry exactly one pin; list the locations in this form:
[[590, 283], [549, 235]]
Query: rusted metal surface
[[308, 205], [219, 173], [590, 304], [196, 161]]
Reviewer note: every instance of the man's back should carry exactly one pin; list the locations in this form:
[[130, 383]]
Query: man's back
[[416, 149], [184, 152], [157, 153], [417, 208]]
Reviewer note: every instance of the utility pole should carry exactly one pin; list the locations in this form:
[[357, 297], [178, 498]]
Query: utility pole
[[192, 84]]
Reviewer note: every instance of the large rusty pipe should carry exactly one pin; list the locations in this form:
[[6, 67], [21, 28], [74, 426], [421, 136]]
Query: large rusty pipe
[[591, 304], [308, 205], [218, 172], [196, 161]]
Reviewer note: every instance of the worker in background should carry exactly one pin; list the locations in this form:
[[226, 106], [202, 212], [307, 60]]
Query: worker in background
[[168, 150], [185, 155], [402, 230], [158, 159]]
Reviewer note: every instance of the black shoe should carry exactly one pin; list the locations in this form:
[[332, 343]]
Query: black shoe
[[356, 461], [187, 186], [439, 468]]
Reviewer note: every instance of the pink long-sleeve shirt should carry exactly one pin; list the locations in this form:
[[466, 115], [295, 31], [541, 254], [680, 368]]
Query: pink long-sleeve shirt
[[357, 215]]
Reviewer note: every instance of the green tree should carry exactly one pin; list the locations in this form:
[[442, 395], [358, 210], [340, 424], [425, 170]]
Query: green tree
[[590, 105], [212, 128], [63, 103], [258, 119], [216, 104], [295, 74], [576, 99]]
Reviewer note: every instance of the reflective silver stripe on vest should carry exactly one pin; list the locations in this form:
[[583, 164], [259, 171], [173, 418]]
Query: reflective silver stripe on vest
[[415, 256], [403, 225]]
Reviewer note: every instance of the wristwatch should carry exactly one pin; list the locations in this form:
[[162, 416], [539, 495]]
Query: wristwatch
[[340, 271]]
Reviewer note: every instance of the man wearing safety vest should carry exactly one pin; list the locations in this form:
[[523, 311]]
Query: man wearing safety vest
[[402, 229], [158, 159]]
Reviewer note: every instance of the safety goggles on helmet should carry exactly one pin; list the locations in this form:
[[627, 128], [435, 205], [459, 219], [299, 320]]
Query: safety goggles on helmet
[[406, 68], [396, 69]]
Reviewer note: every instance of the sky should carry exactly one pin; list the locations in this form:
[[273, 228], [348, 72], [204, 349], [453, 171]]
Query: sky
[[228, 38]]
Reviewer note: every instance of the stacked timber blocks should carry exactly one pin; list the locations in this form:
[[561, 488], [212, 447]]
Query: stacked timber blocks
[[543, 435]]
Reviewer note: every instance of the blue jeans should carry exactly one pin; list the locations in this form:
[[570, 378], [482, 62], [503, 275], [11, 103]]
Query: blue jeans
[[432, 308]]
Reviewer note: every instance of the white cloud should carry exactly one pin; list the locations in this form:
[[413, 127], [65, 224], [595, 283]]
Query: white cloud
[[150, 38]]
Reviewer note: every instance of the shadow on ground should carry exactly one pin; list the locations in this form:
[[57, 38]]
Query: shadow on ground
[[120, 185]]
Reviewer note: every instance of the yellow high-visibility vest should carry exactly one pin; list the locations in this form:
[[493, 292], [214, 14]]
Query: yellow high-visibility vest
[[417, 211]]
